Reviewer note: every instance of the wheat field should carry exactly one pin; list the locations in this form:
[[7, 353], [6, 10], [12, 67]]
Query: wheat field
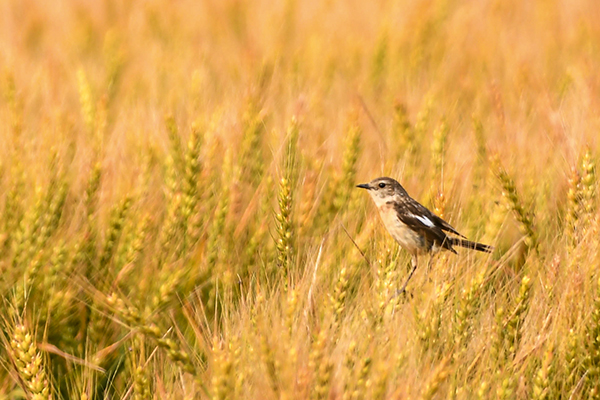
[[179, 217]]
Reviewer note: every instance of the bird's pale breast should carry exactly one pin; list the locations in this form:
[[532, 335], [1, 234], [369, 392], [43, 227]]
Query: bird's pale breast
[[406, 237]]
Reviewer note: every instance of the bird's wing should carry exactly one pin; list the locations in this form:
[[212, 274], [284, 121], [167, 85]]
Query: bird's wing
[[419, 210], [419, 221], [446, 226]]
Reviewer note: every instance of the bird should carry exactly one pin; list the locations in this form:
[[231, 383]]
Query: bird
[[415, 228]]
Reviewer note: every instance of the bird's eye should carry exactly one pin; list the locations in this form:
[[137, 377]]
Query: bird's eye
[[382, 185]]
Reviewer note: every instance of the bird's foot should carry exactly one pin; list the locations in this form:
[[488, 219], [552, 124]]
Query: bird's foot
[[402, 292]]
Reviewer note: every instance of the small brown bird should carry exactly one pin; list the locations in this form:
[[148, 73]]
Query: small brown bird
[[414, 227]]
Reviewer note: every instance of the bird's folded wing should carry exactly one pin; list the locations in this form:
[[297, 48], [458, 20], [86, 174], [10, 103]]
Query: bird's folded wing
[[419, 218]]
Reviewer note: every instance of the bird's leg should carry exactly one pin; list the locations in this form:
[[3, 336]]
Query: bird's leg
[[413, 261]]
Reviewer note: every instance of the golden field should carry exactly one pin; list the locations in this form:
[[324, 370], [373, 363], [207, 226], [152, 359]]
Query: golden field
[[179, 217]]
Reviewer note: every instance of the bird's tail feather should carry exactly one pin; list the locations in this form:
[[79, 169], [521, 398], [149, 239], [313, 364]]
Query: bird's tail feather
[[471, 245]]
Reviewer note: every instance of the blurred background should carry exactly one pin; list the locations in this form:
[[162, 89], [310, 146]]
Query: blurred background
[[178, 215]]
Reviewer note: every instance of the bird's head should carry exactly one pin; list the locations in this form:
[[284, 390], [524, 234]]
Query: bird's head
[[384, 189]]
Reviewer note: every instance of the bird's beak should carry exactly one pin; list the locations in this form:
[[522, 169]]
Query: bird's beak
[[363, 186]]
